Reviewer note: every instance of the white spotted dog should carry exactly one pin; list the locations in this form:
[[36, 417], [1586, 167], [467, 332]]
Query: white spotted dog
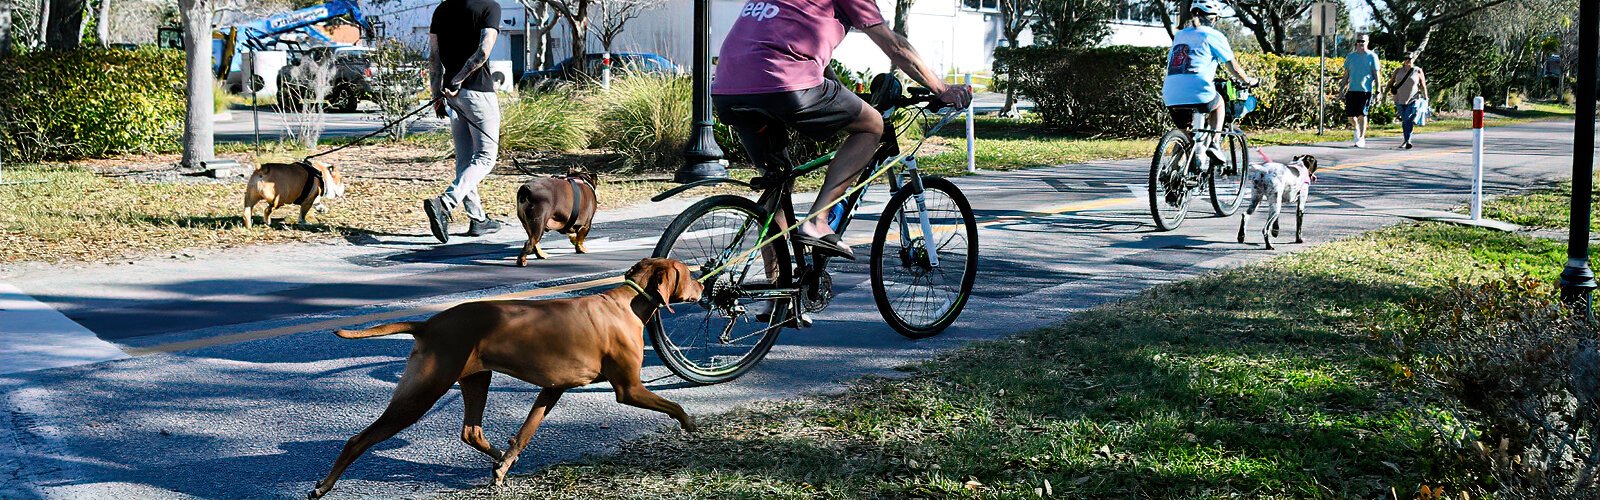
[[1289, 183]]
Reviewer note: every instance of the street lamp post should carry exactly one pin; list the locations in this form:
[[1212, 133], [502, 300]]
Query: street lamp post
[[1577, 280], [701, 154]]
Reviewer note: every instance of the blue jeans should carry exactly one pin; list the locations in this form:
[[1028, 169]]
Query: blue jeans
[[1408, 120]]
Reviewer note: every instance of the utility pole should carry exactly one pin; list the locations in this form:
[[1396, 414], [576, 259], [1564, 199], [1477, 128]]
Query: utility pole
[[1577, 279]]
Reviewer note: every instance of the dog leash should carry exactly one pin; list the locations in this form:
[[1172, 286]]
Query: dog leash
[[1263, 154], [380, 130], [659, 302]]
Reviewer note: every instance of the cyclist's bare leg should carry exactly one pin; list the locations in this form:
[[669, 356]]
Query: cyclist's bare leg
[[847, 164]]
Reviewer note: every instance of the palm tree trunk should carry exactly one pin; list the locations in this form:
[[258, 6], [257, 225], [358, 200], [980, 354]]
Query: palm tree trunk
[[5, 29], [102, 24], [197, 126]]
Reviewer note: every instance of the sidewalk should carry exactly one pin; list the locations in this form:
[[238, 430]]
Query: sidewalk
[[36, 336]]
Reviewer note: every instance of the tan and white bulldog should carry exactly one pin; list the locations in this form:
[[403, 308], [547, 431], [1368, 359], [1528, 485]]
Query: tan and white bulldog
[[306, 183]]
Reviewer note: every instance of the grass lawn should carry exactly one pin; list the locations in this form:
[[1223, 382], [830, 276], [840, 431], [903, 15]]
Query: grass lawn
[[1259, 382]]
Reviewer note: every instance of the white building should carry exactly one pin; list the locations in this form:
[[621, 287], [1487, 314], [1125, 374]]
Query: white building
[[952, 35]]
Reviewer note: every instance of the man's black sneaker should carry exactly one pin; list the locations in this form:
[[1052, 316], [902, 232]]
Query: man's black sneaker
[[438, 218], [483, 227]]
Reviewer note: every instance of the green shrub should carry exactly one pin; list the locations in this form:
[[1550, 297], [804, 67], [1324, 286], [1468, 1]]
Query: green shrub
[[548, 121], [1117, 90], [90, 102], [220, 98], [1108, 90], [1509, 381], [646, 119]]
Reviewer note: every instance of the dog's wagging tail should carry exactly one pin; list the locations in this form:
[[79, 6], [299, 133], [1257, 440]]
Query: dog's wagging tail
[[381, 330]]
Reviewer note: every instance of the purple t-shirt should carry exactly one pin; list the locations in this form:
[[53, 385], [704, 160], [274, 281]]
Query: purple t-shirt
[[783, 45]]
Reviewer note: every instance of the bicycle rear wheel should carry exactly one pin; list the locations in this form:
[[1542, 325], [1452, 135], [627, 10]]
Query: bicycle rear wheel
[[720, 338], [918, 299], [1169, 189], [1227, 180]]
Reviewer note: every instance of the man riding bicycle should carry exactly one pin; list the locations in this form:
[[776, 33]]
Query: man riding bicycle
[[770, 77], [1192, 67]]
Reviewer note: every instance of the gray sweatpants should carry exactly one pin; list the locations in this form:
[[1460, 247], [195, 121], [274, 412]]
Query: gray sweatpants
[[477, 148]]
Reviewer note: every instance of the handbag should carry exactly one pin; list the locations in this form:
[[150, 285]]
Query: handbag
[[1422, 112], [1394, 86]]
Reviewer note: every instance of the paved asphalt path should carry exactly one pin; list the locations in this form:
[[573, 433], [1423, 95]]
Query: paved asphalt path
[[240, 126], [237, 388]]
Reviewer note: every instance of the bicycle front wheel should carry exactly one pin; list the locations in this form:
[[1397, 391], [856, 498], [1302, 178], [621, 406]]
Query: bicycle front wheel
[[922, 274], [1227, 179], [1169, 189], [725, 334]]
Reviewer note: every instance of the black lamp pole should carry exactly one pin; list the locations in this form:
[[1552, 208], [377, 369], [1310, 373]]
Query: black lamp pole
[[701, 153], [1577, 280]]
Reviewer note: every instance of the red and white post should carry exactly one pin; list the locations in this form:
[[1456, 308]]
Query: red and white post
[[972, 158], [1477, 158]]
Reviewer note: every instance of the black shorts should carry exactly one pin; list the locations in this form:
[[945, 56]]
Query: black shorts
[[1183, 114], [763, 120], [1357, 103]]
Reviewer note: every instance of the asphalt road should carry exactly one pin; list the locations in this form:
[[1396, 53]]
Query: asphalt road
[[238, 389], [241, 124]]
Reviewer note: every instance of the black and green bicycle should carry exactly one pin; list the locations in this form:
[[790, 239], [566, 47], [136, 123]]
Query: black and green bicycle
[[758, 281]]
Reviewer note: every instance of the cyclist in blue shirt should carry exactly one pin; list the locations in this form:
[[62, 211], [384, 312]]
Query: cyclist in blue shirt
[[1192, 67]]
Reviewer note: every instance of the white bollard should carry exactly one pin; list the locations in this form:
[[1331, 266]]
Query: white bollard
[[972, 159], [605, 71], [1477, 158]]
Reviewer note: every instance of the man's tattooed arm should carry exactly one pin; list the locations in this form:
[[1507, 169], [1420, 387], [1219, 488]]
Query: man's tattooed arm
[[479, 57], [435, 66]]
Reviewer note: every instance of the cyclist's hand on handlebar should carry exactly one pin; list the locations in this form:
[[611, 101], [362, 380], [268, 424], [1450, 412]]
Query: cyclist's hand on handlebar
[[1252, 82], [956, 96]]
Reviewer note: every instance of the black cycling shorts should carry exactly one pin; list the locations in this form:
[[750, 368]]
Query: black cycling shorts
[[763, 120], [1183, 114]]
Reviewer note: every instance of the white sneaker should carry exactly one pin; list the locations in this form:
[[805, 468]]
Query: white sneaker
[[1361, 143]]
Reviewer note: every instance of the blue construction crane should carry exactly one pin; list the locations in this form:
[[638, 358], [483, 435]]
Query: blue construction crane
[[264, 33]]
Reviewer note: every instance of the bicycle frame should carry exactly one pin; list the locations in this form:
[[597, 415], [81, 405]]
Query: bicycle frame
[[777, 197]]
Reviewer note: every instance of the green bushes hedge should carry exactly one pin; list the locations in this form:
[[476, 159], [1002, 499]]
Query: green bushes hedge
[[1117, 90], [90, 102], [644, 118], [551, 121]]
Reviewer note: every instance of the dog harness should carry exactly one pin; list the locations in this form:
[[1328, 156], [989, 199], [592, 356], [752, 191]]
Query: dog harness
[[1306, 177], [313, 177], [577, 202]]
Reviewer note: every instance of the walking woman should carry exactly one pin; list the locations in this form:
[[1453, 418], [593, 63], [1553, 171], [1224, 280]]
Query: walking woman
[[1410, 89]]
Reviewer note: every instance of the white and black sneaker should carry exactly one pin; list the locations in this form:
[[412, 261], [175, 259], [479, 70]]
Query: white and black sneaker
[[483, 227], [438, 218]]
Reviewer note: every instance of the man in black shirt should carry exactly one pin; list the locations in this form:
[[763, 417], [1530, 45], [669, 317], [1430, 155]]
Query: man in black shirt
[[460, 39]]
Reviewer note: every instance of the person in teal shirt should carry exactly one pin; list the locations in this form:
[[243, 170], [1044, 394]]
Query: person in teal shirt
[[1361, 75]]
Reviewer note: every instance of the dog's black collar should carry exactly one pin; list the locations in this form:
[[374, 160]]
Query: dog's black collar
[[313, 177]]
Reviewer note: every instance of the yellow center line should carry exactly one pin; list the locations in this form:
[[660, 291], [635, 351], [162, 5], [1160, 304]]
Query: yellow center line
[[329, 324], [862, 239]]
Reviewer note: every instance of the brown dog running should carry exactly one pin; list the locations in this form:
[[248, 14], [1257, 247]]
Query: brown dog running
[[562, 204], [305, 183], [554, 344]]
